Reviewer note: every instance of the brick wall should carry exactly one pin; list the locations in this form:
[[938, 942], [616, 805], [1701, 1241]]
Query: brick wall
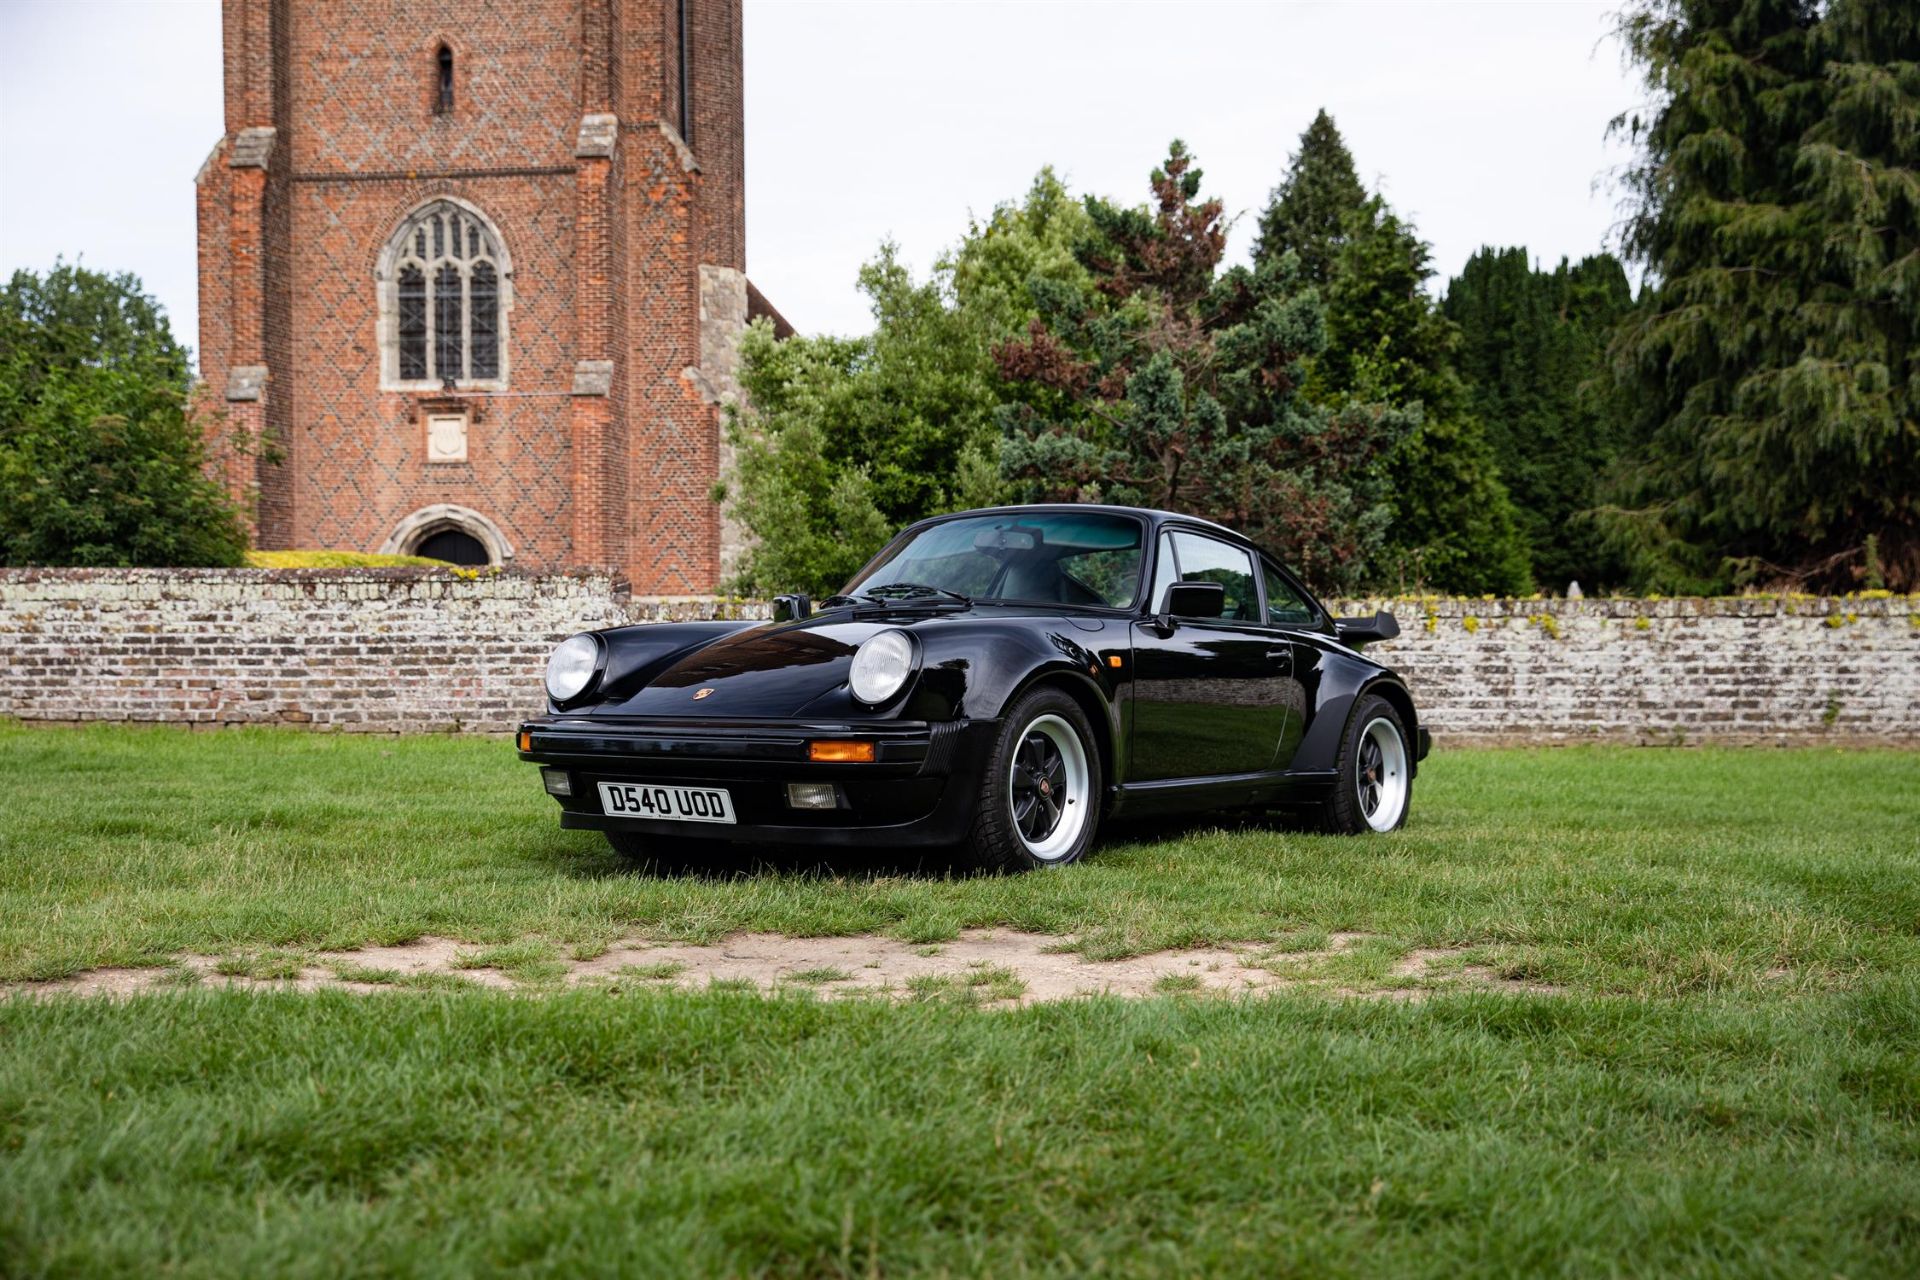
[[406, 649], [595, 446]]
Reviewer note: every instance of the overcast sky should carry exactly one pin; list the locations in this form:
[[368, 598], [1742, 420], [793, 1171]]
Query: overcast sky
[[1484, 122]]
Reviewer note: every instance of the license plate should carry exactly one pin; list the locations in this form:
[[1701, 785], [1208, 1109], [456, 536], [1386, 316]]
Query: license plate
[[666, 804]]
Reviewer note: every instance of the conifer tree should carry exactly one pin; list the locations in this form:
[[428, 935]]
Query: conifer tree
[[1454, 526], [1776, 364], [1310, 212], [1172, 384], [1532, 354]]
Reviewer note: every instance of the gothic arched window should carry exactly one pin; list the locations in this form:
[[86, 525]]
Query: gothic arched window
[[444, 295]]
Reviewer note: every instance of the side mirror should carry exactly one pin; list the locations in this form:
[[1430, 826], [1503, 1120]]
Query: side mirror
[[792, 608], [1358, 631], [1196, 600]]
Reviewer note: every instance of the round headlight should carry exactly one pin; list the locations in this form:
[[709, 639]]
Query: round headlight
[[570, 669], [880, 666]]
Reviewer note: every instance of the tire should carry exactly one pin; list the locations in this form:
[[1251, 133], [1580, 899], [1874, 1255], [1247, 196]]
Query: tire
[[1046, 753], [1373, 783], [654, 855]]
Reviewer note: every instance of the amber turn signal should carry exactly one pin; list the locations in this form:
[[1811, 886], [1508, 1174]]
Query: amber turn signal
[[526, 740], [831, 752], [1113, 659]]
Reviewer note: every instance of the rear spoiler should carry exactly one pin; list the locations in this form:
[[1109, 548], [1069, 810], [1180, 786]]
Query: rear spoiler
[[1358, 631]]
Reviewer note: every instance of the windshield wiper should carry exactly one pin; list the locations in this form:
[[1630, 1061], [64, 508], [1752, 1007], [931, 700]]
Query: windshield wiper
[[912, 591]]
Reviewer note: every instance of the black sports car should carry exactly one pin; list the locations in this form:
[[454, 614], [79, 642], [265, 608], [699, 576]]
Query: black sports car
[[999, 680]]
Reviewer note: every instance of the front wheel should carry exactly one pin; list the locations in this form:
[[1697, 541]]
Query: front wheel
[[1039, 800], [1373, 786]]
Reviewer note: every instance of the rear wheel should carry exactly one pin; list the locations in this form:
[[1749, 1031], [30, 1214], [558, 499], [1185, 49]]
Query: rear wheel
[[1039, 801], [1373, 786]]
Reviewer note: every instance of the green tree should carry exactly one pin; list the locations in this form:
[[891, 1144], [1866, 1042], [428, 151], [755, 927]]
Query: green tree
[[1454, 526], [1025, 246], [1312, 211], [1773, 365], [1171, 384], [100, 462], [1532, 352], [844, 440]]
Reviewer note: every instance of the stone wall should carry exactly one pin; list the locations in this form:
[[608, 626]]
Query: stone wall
[[379, 650], [1745, 669], [412, 649]]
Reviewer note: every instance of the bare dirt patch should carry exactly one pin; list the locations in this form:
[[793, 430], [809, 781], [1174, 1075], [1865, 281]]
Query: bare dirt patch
[[980, 966]]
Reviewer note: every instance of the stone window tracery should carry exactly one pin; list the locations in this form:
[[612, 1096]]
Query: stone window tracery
[[444, 299]]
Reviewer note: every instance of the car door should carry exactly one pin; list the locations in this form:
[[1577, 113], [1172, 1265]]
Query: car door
[[1209, 694], [1294, 618]]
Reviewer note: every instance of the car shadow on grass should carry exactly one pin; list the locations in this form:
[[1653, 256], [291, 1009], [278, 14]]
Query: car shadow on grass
[[584, 855]]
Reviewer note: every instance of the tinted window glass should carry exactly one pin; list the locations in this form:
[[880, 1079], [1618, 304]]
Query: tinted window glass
[[1285, 606], [1165, 574], [1057, 557], [1206, 560]]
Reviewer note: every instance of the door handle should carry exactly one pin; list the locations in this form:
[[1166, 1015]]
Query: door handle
[[1279, 655]]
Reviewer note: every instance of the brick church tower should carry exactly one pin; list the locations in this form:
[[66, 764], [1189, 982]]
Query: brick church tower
[[472, 274]]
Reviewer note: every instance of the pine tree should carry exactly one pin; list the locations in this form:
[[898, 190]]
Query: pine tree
[[1454, 526], [1532, 354], [1172, 384], [1776, 364], [1310, 212]]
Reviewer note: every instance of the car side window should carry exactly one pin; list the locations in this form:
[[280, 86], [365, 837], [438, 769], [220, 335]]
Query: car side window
[[1285, 606], [1204, 559], [1166, 572], [1110, 574]]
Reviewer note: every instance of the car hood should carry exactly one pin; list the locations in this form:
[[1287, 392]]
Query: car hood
[[774, 671], [786, 670]]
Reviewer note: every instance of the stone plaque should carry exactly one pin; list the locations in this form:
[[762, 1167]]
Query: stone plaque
[[447, 437]]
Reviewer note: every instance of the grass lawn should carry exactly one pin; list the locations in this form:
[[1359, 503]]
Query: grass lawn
[[1729, 1082]]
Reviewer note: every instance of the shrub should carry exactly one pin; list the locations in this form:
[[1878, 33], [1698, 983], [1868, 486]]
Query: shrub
[[336, 560]]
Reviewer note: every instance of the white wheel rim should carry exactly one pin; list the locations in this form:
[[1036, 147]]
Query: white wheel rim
[[1048, 788], [1380, 774]]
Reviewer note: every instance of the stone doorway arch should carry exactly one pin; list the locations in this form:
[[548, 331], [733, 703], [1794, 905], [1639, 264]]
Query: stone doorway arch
[[445, 517]]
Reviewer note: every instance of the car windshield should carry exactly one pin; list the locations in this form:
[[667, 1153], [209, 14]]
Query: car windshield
[[1055, 557]]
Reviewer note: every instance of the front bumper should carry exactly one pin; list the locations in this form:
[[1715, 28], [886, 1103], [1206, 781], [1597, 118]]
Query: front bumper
[[919, 789]]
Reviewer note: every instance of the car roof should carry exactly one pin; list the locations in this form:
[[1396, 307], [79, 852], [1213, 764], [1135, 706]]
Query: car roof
[[1155, 518], [1153, 515]]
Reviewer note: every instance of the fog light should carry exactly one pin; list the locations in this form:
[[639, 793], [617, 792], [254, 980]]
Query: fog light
[[813, 795], [833, 752], [558, 782]]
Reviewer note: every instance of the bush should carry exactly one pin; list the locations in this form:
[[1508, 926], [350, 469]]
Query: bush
[[338, 560]]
